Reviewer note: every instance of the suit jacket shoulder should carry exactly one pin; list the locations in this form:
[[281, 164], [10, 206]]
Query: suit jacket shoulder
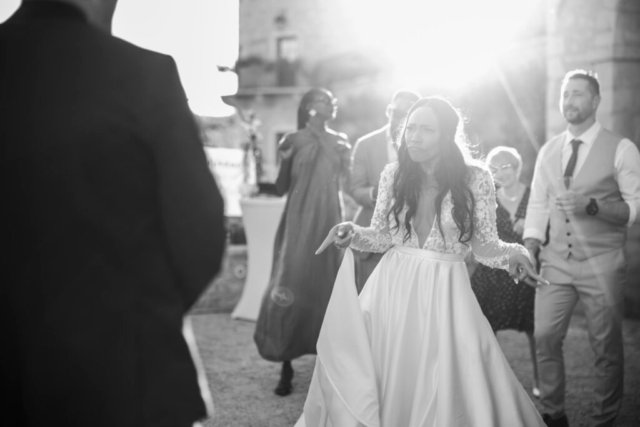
[[377, 136]]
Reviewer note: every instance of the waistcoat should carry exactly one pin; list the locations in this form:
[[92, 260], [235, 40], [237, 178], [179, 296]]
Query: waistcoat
[[581, 236]]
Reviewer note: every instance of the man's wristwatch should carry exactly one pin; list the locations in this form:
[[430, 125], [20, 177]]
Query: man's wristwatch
[[592, 207]]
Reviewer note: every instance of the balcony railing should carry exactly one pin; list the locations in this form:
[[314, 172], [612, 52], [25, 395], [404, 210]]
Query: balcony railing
[[257, 72]]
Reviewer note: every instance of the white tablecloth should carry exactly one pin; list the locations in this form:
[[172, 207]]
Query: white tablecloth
[[261, 216]]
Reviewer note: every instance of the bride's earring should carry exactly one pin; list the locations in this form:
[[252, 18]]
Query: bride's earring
[[312, 112]]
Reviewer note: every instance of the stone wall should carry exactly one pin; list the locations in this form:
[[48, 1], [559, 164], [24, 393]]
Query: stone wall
[[604, 36], [321, 26]]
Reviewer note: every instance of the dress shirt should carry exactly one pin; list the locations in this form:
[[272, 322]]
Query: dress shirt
[[627, 175]]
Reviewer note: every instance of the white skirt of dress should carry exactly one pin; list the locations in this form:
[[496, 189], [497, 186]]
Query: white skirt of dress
[[414, 350]]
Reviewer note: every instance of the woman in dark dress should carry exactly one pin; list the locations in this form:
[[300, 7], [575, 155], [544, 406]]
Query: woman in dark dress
[[313, 162], [507, 305]]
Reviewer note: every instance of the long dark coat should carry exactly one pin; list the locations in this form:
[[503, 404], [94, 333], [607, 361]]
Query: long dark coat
[[296, 298], [113, 227]]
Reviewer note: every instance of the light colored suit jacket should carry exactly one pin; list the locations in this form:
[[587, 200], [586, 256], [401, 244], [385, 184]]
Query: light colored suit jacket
[[370, 156]]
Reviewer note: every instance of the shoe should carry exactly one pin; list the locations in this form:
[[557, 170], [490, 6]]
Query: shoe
[[284, 386], [555, 422]]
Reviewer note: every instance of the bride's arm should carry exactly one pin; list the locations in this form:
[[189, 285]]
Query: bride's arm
[[377, 237], [485, 243]]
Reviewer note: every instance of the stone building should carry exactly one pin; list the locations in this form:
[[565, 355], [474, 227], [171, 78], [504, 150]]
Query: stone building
[[286, 47]]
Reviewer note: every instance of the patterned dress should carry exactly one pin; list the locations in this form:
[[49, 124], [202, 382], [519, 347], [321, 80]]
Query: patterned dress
[[506, 305]]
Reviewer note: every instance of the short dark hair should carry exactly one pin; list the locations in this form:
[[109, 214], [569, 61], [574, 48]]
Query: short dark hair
[[591, 78]]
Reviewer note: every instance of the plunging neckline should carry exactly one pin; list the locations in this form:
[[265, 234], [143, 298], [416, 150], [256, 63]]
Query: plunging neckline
[[415, 231], [430, 197]]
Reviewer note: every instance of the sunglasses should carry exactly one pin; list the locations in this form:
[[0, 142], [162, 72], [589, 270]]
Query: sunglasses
[[495, 169]]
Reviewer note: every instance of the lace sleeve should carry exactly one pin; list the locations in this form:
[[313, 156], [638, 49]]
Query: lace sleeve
[[377, 237], [485, 244]]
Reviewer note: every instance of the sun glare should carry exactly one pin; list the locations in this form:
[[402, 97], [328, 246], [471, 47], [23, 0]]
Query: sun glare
[[199, 34], [438, 42], [7, 8]]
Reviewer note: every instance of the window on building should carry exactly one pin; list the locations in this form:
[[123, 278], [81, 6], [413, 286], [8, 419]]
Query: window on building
[[287, 51]]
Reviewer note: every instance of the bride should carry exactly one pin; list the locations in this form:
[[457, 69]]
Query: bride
[[415, 349]]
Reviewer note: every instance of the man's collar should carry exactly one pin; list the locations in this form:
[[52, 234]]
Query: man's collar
[[50, 9], [587, 137]]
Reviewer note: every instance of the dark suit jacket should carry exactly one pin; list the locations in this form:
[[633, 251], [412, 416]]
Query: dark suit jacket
[[369, 158], [114, 222]]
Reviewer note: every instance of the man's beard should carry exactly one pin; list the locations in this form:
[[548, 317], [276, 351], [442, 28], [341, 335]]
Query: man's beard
[[577, 117]]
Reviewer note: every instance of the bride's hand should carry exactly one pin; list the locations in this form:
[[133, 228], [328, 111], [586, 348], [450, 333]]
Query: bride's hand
[[521, 269], [340, 235]]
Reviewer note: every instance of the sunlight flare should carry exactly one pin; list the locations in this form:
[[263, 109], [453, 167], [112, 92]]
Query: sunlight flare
[[437, 42]]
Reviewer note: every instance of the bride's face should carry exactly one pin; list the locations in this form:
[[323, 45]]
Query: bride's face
[[422, 135]]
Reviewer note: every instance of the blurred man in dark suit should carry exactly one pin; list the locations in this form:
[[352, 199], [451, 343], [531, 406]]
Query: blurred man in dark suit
[[114, 225], [371, 153]]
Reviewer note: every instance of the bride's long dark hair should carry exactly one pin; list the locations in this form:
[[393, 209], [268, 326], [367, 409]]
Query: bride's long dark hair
[[451, 172]]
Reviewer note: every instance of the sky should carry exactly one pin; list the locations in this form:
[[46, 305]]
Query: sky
[[7, 7], [199, 34], [446, 42]]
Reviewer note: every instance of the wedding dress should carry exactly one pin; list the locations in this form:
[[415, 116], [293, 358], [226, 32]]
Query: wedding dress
[[414, 349]]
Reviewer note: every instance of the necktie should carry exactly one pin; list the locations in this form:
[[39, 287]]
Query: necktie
[[575, 144]]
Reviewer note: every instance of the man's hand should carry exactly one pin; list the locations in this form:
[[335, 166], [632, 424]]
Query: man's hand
[[572, 203], [615, 212]]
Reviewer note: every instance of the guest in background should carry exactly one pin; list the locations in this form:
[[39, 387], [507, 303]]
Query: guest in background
[[371, 154], [114, 223], [507, 305], [585, 192], [314, 162]]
